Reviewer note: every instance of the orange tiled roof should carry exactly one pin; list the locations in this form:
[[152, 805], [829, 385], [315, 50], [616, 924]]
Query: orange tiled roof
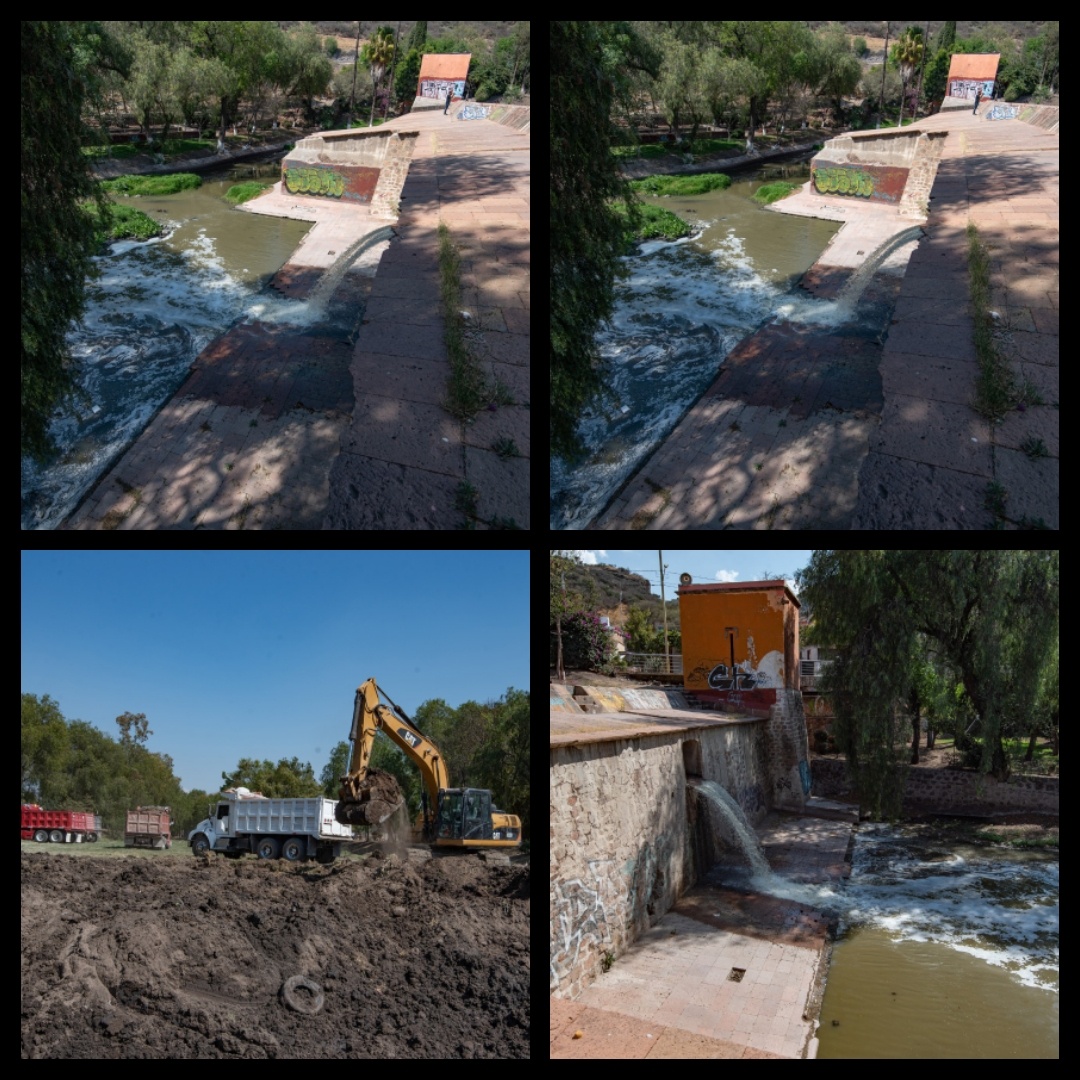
[[974, 66], [445, 66]]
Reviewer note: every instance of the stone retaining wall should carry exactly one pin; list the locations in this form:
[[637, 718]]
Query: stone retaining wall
[[950, 791], [353, 166], [621, 851]]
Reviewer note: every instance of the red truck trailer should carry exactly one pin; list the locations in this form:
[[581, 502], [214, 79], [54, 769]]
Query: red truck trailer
[[148, 826], [58, 826]]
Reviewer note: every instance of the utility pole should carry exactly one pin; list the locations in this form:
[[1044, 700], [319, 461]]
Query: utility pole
[[663, 602]]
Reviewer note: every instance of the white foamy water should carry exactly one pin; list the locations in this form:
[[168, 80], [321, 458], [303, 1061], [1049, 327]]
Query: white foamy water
[[679, 312], [998, 906]]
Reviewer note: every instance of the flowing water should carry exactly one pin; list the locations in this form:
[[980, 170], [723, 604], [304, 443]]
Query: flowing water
[[735, 828], [946, 950], [680, 309], [150, 312]]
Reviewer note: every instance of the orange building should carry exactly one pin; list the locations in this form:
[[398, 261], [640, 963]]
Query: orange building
[[740, 642]]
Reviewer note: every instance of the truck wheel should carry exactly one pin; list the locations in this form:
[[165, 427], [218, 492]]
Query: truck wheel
[[293, 850], [56, 836], [42, 836], [199, 844], [268, 848]]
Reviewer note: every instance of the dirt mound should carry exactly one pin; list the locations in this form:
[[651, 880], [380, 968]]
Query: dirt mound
[[378, 796], [227, 958]]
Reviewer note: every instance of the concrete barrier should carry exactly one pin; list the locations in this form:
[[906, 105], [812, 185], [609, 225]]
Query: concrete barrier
[[896, 167], [353, 166]]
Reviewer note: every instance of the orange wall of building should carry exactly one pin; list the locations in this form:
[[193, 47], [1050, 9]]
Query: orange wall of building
[[766, 645]]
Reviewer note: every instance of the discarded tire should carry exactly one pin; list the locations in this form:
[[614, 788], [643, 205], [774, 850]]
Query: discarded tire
[[307, 1003]]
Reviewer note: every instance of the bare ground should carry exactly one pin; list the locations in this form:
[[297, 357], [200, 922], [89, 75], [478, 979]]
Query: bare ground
[[185, 958]]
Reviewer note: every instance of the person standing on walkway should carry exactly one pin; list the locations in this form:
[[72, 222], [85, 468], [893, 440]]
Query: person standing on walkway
[[978, 96], [449, 95]]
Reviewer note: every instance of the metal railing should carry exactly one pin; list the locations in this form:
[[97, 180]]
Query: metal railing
[[653, 663]]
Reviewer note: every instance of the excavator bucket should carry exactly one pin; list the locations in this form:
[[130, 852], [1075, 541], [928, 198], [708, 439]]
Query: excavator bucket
[[368, 801]]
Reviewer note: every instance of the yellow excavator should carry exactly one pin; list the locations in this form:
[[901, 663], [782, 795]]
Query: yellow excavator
[[449, 817]]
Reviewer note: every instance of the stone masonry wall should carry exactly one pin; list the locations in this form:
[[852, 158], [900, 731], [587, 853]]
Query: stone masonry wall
[[916, 198], [620, 853], [786, 747], [951, 790], [395, 168]]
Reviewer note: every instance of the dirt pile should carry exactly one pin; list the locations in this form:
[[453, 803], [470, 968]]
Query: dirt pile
[[227, 958]]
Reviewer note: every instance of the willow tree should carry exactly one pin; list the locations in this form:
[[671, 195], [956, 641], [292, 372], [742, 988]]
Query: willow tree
[[589, 64], [991, 615]]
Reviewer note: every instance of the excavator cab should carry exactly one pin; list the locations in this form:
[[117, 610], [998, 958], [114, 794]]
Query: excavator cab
[[464, 814]]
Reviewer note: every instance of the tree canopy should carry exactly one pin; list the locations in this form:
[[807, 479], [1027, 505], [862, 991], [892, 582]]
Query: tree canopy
[[991, 616]]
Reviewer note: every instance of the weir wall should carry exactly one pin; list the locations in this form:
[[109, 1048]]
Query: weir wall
[[623, 842]]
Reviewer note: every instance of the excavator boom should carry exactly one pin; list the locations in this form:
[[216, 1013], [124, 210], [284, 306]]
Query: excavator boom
[[369, 796]]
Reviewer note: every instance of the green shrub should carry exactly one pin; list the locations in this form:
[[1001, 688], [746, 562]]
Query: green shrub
[[151, 185], [769, 193], [125, 222], [682, 185], [655, 223], [240, 193]]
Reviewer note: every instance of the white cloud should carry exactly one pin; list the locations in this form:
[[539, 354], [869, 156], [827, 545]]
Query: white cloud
[[590, 558], [727, 575]]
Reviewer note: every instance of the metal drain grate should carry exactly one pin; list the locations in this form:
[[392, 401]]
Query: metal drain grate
[[736, 974]]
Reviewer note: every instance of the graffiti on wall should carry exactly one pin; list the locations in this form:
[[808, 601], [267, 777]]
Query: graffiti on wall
[[840, 181], [580, 919], [437, 88], [314, 182], [965, 88], [1003, 112], [473, 112]]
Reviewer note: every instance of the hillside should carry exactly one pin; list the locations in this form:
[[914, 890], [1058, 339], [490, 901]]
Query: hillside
[[615, 590]]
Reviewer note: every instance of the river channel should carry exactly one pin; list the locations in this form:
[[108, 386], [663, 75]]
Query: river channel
[[947, 949], [680, 309], [153, 307]]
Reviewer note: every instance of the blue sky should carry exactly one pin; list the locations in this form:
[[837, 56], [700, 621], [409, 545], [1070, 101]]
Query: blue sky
[[702, 566], [258, 654]]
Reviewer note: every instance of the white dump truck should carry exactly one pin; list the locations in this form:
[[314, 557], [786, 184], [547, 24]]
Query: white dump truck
[[292, 829]]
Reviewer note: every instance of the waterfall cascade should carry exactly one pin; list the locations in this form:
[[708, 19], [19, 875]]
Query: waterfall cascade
[[738, 828]]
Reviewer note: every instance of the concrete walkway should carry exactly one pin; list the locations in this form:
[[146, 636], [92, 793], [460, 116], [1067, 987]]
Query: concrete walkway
[[935, 463], [673, 995], [819, 428], [405, 462]]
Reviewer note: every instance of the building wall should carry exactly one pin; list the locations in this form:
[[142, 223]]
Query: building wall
[[759, 627], [437, 88], [621, 851]]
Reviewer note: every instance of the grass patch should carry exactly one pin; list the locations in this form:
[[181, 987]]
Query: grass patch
[[151, 185], [644, 150], [714, 146], [769, 193], [240, 193], [995, 388], [468, 390], [681, 185]]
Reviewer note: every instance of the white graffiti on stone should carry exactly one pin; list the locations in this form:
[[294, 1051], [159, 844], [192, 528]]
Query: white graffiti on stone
[[580, 917], [473, 112]]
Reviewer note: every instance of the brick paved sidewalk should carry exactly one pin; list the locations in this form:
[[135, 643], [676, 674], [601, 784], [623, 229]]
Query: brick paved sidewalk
[[404, 459], [933, 460], [671, 994]]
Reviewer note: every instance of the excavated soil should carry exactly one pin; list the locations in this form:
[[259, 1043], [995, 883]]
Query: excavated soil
[[185, 958]]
